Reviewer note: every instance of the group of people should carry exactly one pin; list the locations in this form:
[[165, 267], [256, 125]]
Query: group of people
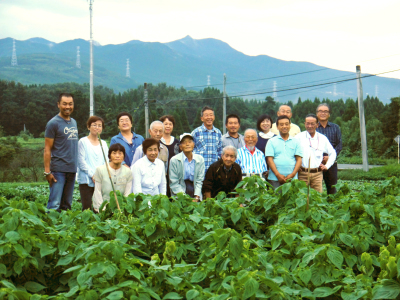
[[200, 164]]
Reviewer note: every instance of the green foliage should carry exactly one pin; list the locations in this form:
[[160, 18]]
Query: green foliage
[[342, 247], [378, 173]]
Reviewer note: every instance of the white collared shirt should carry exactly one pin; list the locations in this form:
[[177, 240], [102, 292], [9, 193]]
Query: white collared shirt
[[315, 147], [149, 177]]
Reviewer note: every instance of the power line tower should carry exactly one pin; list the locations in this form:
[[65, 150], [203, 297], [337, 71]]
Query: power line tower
[[128, 73], [78, 58], [14, 61], [208, 80], [334, 90], [275, 94], [91, 109], [376, 91]]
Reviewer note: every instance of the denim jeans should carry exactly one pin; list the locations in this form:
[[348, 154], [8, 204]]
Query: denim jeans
[[60, 197]]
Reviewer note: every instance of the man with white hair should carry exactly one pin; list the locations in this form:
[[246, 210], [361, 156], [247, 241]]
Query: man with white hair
[[223, 175], [156, 132], [286, 110], [250, 159]]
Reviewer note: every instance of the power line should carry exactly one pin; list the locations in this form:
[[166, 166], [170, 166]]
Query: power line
[[259, 79], [282, 90]]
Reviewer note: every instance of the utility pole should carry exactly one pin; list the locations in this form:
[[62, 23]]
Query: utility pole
[[78, 58], [362, 120], [146, 110], [128, 72], [224, 107], [91, 59], [14, 61]]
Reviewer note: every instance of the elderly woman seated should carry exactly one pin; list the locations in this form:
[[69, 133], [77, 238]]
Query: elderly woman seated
[[120, 176], [149, 171]]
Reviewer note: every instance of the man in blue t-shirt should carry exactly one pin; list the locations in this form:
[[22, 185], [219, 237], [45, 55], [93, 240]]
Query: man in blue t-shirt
[[61, 154], [283, 154]]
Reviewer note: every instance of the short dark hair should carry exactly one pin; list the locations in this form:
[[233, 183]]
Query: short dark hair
[[147, 143], [169, 117], [281, 118], [261, 119], [206, 108], [94, 119], [68, 95], [232, 116], [124, 113], [116, 147], [312, 116]]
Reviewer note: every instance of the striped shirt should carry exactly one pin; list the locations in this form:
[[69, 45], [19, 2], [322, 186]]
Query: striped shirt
[[208, 143], [251, 163], [334, 135]]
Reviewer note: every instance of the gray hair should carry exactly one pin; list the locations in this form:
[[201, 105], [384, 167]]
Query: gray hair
[[284, 105], [324, 104], [230, 147], [156, 122], [248, 129]]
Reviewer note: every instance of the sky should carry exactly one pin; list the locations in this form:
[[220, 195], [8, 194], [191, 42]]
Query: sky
[[337, 34]]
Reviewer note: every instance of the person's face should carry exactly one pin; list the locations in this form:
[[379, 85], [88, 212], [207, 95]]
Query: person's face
[[250, 138], [228, 158], [152, 152], [117, 157], [96, 127], [168, 126], [265, 125], [233, 125], [208, 118], [283, 126], [285, 110], [157, 132], [323, 113], [124, 123], [311, 124], [187, 145], [66, 106]]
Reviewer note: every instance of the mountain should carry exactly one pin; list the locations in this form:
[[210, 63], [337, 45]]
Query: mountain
[[186, 62]]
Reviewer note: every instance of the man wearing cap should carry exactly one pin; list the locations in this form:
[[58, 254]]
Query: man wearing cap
[[223, 175], [249, 158], [186, 170], [314, 145], [286, 110]]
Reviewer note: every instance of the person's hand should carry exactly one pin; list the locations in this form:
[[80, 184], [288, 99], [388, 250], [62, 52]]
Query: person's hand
[[196, 199], [281, 178], [50, 179], [290, 176], [323, 167], [325, 159], [93, 178]]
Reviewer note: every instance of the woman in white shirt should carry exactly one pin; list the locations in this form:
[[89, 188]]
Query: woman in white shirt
[[90, 157], [149, 171], [121, 177]]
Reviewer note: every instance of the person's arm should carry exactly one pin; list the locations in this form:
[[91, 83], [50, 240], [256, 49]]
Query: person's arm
[[163, 184], [200, 178], [273, 168], [174, 177], [219, 146], [332, 156], [97, 196], [48, 145], [128, 187], [208, 182], [296, 167], [339, 146], [82, 165], [137, 180]]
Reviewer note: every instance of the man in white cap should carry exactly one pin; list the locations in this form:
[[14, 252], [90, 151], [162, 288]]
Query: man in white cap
[[186, 170]]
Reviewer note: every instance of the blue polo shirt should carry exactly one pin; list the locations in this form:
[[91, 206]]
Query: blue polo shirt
[[130, 149], [283, 153]]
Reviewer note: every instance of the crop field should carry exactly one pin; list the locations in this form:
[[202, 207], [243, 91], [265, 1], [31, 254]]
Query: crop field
[[341, 247]]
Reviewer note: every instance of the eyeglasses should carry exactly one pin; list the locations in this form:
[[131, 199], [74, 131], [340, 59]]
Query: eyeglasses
[[323, 111]]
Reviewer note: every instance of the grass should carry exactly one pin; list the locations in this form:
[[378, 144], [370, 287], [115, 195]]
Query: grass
[[379, 173], [34, 143], [22, 184], [372, 161]]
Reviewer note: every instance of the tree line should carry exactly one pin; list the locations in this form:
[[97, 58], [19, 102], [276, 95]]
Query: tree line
[[33, 106]]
